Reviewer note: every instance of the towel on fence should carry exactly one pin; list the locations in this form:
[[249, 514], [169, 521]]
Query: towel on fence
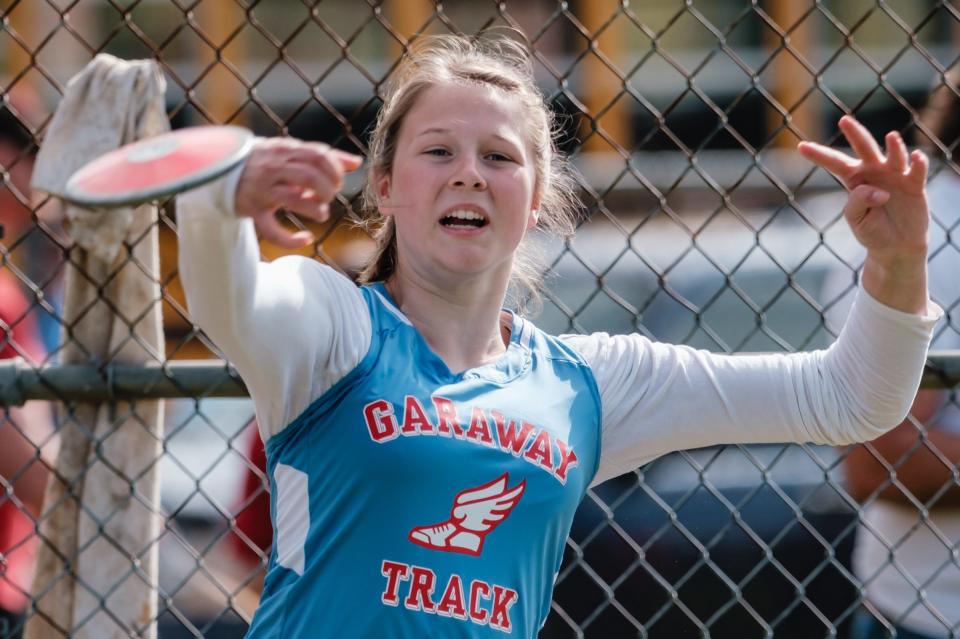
[[111, 102], [97, 564]]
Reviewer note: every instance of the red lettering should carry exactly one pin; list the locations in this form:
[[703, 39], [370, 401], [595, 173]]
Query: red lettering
[[503, 599], [447, 421], [415, 417], [394, 572], [568, 460], [477, 614], [451, 604], [479, 430], [518, 437], [422, 584], [510, 438], [380, 421], [540, 451]]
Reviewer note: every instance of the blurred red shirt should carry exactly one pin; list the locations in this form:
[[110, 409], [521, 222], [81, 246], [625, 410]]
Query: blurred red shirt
[[19, 336], [253, 517]]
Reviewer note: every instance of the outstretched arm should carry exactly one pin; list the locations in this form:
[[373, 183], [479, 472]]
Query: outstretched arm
[[292, 327], [887, 211], [658, 398]]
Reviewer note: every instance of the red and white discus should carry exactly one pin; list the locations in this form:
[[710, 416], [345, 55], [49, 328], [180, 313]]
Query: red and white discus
[[156, 167]]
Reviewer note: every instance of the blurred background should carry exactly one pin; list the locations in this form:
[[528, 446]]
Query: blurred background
[[701, 225]]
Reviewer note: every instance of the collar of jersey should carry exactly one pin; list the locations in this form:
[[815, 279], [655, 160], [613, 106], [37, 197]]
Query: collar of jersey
[[513, 363]]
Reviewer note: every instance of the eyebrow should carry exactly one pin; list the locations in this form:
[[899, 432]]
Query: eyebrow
[[433, 130], [436, 129]]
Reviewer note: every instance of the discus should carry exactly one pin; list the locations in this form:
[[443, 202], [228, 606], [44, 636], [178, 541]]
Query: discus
[[156, 167]]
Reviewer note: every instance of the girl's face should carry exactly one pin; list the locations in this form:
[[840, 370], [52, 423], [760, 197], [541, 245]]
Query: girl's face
[[463, 187]]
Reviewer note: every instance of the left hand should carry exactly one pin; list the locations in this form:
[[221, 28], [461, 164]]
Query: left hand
[[887, 205]]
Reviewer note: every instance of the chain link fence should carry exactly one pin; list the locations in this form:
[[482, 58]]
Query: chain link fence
[[702, 225]]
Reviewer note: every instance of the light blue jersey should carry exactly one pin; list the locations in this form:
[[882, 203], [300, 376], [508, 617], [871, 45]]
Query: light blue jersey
[[412, 502]]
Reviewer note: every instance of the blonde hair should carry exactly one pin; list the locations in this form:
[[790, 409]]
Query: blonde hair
[[496, 62]]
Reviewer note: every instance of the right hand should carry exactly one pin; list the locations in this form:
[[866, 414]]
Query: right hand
[[302, 177]]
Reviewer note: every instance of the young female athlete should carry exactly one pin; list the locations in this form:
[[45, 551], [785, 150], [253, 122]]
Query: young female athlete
[[427, 449]]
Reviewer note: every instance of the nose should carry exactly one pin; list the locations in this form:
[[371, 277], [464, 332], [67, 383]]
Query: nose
[[467, 175]]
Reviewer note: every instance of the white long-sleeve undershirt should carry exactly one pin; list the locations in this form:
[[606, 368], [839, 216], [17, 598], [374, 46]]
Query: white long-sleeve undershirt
[[293, 327]]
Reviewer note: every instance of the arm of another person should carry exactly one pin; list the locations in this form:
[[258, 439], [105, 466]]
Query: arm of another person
[[918, 468], [292, 326]]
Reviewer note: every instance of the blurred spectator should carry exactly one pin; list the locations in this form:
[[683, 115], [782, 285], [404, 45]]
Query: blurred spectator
[[21, 429], [906, 560]]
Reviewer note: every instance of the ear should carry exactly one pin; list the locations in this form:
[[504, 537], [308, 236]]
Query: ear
[[533, 219], [534, 211], [382, 182]]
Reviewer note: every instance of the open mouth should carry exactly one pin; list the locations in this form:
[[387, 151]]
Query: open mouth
[[464, 219]]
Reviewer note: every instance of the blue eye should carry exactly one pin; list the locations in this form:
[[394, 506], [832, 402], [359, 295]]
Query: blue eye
[[498, 157], [437, 152]]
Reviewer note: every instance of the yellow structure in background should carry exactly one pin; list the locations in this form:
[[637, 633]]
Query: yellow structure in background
[[21, 20], [789, 81], [221, 93], [407, 17], [602, 87]]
